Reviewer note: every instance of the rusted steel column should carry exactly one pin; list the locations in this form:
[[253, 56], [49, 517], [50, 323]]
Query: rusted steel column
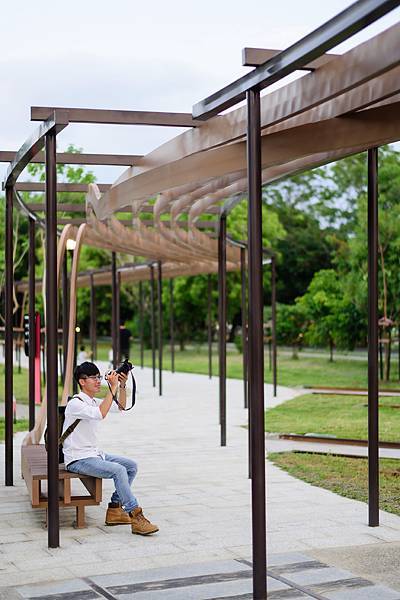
[[32, 328], [222, 325], [209, 332], [8, 338], [273, 325], [171, 324], [93, 318], [51, 341], [153, 326], [244, 322], [160, 327], [114, 313], [256, 344], [141, 324], [65, 309], [373, 386]]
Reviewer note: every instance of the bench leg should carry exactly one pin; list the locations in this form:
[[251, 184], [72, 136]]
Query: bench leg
[[80, 517]]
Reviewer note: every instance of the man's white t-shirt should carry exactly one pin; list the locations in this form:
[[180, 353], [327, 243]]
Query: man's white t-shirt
[[82, 442]]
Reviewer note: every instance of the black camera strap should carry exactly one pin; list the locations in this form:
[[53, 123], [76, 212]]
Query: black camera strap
[[115, 396]]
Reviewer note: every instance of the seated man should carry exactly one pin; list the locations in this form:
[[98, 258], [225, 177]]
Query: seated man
[[82, 455]]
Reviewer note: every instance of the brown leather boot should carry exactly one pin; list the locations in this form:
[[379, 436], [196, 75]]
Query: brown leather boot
[[116, 515], [140, 524]]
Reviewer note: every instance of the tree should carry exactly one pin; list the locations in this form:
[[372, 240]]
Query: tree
[[290, 326], [331, 319]]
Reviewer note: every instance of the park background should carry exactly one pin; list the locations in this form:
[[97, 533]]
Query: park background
[[316, 225]]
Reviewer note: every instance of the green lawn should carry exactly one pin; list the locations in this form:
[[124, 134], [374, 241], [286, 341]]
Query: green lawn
[[20, 385], [20, 425], [309, 371], [342, 475], [342, 416]]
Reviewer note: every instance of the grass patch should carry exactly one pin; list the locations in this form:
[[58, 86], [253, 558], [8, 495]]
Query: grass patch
[[342, 416], [20, 425], [315, 370], [20, 385], [345, 476]]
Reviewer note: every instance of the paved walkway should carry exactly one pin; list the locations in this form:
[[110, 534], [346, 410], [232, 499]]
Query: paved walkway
[[199, 495]]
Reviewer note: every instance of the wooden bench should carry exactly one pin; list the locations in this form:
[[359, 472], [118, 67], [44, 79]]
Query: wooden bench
[[34, 471]]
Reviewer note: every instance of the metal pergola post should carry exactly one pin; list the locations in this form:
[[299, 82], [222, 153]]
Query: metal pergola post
[[153, 325], [171, 324], [256, 344], [141, 324], [8, 337], [244, 321], [160, 326], [32, 332], [222, 325], [114, 313], [373, 385], [209, 324], [51, 339], [93, 318], [273, 325]]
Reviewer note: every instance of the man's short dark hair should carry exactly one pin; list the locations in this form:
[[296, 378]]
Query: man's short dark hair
[[85, 370]]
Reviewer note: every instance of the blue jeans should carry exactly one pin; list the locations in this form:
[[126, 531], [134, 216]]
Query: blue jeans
[[122, 470]]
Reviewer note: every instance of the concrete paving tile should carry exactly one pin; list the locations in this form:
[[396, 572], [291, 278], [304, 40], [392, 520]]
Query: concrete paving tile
[[115, 566], [141, 551], [193, 557], [373, 592], [43, 589], [21, 577], [196, 592], [162, 573], [287, 558], [310, 577]]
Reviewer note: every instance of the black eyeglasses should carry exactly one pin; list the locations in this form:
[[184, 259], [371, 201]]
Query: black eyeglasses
[[94, 377]]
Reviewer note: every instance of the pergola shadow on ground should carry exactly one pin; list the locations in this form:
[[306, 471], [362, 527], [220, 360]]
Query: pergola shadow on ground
[[347, 104]]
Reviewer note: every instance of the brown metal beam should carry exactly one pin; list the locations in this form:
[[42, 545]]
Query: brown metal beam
[[373, 385], [80, 158], [253, 57], [38, 186], [53, 528], [8, 338], [117, 117], [222, 307], [57, 120], [256, 346]]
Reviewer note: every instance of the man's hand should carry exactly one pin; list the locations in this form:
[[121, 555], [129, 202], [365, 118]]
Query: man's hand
[[122, 377], [112, 378]]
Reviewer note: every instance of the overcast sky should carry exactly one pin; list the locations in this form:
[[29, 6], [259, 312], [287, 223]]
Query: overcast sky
[[154, 55]]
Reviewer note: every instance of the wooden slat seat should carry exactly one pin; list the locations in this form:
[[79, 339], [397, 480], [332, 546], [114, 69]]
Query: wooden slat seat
[[34, 471]]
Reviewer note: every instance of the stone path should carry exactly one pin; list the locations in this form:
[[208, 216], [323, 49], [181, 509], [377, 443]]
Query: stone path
[[199, 495]]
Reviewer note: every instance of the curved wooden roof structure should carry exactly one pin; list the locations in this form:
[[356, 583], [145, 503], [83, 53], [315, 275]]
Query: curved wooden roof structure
[[346, 104]]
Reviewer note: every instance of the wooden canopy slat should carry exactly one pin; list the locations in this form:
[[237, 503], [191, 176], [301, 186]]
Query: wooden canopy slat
[[78, 158], [253, 57]]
